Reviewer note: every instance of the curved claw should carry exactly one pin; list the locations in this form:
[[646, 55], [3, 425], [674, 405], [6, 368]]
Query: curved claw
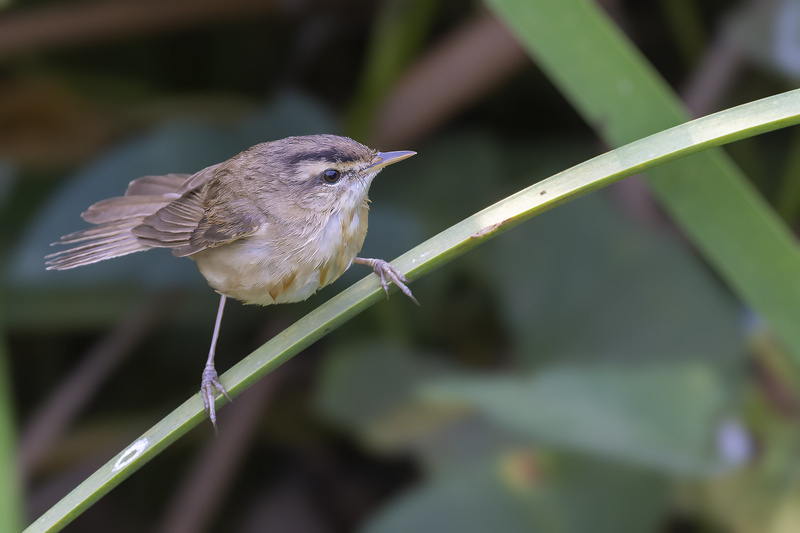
[[385, 270], [209, 386]]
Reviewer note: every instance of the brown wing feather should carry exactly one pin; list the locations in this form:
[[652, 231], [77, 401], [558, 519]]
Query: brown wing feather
[[172, 225], [115, 219], [157, 185], [103, 242], [210, 233], [188, 225], [198, 180], [122, 208], [156, 212]]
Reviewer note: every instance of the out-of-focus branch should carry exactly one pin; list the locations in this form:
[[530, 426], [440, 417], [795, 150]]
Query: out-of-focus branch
[[82, 24], [478, 57]]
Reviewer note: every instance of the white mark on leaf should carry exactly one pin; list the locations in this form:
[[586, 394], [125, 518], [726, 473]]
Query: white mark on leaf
[[131, 454]]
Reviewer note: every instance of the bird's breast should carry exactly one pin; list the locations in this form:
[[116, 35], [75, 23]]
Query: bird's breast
[[278, 266]]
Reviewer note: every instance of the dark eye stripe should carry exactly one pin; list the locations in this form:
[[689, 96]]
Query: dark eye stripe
[[324, 154]]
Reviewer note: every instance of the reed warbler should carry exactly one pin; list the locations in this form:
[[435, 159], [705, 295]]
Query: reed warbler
[[270, 225]]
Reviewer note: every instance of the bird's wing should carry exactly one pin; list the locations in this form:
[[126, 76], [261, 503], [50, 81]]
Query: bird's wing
[[158, 185], [115, 219], [214, 231], [188, 225], [172, 225], [198, 180]]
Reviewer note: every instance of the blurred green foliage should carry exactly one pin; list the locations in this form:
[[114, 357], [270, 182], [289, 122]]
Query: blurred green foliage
[[11, 515]]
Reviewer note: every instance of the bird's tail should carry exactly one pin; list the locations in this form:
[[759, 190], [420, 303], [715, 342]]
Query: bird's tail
[[115, 219]]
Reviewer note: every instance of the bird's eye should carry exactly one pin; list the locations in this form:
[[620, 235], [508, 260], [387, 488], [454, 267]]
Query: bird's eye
[[331, 175]]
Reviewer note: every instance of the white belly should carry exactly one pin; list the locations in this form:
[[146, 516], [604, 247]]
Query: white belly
[[263, 270]]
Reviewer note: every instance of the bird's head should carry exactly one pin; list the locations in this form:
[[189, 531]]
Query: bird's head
[[321, 174]]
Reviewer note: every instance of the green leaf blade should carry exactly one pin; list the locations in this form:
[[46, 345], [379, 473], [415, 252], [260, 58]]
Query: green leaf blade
[[619, 93]]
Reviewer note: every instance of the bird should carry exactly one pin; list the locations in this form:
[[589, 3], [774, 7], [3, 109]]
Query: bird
[[271, 225]]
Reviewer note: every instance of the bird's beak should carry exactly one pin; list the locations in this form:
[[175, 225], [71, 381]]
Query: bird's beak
[[383, 159]]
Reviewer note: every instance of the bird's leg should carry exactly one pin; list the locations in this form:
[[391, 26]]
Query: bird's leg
[[385, 270], [210, 383]]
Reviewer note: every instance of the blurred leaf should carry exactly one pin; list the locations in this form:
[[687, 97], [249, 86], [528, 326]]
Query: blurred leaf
[[11, 508], [380, 372], [368, 387], [604, 497], [474, 501], [174, 147], [787, 199], [662, 416], [584, 281], [621, 96], [565, 495]]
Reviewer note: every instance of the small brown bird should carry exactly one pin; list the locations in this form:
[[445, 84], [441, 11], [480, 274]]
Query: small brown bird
[[270, 225]]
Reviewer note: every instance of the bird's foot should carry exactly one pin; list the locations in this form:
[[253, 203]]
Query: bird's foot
[[387, 271], [209, 386]]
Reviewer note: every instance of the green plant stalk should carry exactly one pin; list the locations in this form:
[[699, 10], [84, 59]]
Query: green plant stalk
[[727, 126], [623, 98]]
